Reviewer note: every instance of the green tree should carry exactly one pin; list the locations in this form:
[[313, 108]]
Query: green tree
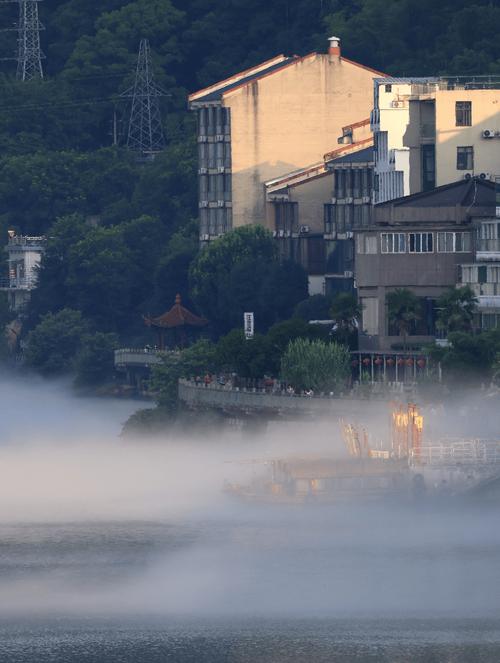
[[404, 310], [249, 358], [240, 272], [54, 343], [346, 312], [198, 359], [94, 363], [280, 334], [456, 308], [468, 357], [323, 367], [103, 280], [172, 272], [316, 307]]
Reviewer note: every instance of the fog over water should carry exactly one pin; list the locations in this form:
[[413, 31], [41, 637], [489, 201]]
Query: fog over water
[[133, 544]]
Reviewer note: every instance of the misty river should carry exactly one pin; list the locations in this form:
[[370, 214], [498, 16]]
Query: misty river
[[114, 551]]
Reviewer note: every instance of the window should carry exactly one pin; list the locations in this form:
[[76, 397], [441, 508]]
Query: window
[[465, 158], [450, 242], [463, 113], [388, 88], [367, 244], [420, 242], [490, 321], [316, 255], [393, 243], [286, 216], [329, 218], [428, 167]]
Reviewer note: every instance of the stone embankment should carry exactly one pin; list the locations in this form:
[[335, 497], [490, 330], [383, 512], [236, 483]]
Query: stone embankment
[[236, 401]]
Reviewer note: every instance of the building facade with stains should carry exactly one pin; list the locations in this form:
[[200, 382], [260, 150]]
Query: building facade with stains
[[267, 121]]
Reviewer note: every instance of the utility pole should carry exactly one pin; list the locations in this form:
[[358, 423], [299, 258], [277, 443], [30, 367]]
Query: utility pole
[[145, 133], [29, 53]]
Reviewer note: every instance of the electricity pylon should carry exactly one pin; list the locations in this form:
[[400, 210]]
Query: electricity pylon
[[145, 133], [29, 53], [29, 57]]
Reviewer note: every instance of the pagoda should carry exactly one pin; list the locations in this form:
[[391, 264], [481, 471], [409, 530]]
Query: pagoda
[[178, 318]]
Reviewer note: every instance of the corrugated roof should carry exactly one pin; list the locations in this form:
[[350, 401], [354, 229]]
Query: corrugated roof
[[361, 156], [215, 95], [474, 192]]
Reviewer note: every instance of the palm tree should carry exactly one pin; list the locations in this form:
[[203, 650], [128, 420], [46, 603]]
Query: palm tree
[[346, 312], [456, 309], [404, 308]]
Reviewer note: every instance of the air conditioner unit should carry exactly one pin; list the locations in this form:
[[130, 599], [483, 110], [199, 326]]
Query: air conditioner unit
[[467, 176], [488, 133], [396, 104], [203, 203], [485, 176], [304, 229], [205, 238]]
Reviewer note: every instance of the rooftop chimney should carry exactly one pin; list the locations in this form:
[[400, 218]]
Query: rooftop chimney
[[334, 48]]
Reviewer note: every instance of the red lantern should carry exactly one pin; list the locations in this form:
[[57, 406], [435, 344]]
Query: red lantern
[[401, 361], [421, 363], [354, 362], [366, 361], [409, 362], [390, 362], [378, 361]]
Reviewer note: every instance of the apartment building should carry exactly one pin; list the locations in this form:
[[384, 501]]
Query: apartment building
[[433, 131], [427, 242], [267, 121], [314, 211], [483, 274]]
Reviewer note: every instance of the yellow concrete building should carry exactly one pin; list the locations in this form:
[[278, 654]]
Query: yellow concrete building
[[270, 120], [434, 131]]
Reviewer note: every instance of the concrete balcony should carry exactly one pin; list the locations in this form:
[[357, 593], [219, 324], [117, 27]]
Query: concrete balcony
[[17, 284], [488, 249]]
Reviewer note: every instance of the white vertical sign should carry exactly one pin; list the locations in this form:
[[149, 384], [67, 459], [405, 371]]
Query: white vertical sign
[[248, 325]]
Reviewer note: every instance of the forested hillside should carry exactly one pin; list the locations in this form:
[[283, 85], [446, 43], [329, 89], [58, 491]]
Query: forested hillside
[[58, 166]]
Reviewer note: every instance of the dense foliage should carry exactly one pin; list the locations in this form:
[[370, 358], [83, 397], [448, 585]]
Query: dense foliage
[[241, 272], [315, 365]]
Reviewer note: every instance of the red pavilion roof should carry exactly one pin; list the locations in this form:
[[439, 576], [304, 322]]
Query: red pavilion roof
[[176, 317]]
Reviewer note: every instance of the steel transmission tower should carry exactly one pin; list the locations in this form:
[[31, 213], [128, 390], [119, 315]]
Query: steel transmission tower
[[29, 58], [29, 54], [145, 133]]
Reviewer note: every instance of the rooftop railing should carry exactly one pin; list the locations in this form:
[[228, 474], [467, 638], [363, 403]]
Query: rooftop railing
[[23, 240]]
